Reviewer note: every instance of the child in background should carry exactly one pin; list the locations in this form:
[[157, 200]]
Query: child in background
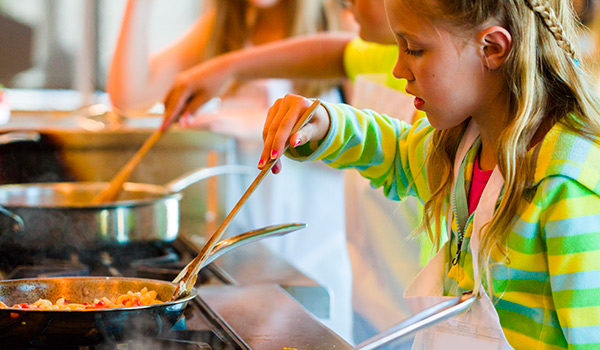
[[138, 80], [507, 155]]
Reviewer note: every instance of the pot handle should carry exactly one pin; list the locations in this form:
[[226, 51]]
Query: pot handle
[[194, 176], [19, 224], [19, 136]]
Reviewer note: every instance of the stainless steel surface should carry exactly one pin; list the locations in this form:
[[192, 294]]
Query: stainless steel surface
[[266, 318], [229, 244], [255, 264], [60, 214], [419, 321]]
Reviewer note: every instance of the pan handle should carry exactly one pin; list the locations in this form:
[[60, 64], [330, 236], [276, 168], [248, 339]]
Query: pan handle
[[423, 319], [18, 225], [19, 136], [194, 176]]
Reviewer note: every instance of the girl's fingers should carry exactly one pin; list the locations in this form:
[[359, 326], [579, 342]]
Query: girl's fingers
[[316, 129], [302, 136], [276, 169], [282, 134], [194, 104], [270, 114], [174, 104], [275, 124]]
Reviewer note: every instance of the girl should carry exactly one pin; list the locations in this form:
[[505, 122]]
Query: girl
[[512, 121]]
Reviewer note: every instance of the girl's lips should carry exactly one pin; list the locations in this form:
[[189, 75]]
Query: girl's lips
[[419, 103]]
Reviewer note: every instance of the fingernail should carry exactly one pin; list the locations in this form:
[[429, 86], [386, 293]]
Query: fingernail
[[297, 143], [275, 168], [261, 163], [274, 153]]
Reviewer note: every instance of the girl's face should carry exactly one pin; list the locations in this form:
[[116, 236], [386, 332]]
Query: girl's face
[[370, 15], [445, 75]]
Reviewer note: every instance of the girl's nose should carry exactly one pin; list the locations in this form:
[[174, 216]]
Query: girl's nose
[[401, 70]]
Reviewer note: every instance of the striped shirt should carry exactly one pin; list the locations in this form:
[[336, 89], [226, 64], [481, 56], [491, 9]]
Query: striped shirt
[[548, 295]]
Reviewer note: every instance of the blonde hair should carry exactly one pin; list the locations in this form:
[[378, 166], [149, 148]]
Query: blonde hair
[[544, 86], [232, 22]]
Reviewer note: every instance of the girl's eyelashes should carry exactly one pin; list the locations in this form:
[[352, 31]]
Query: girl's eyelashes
[[413, 52]]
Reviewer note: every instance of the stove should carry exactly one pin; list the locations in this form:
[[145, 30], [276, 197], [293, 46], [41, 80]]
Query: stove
[[157, 260], [228, 314]]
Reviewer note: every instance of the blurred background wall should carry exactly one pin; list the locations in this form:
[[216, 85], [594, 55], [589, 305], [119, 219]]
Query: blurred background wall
[[67, 44]]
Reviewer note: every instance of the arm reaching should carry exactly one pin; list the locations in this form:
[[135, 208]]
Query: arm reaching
[[310, 57], [138, 79]]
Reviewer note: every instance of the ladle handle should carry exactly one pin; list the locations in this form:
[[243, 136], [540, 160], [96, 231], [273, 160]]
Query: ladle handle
[[421, 320]]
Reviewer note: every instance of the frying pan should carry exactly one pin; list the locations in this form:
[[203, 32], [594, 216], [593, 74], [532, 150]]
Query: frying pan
[[59, 215], [88, 327]]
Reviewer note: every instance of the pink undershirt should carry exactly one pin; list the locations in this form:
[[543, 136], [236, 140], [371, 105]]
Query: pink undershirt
[[480, 179]]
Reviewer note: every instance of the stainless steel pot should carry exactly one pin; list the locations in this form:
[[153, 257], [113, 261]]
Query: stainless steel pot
[[47, 216]]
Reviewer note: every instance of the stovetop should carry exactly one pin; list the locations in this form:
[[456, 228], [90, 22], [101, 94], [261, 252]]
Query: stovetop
[[239, 305], [157, 260]]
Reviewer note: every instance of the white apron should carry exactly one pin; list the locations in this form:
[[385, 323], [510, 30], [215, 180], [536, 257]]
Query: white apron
[[479, 327]]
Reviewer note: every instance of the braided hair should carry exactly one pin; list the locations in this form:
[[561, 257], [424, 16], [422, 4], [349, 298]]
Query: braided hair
[[543, 9]]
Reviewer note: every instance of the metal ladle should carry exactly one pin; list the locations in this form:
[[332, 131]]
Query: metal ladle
[[234, 242]]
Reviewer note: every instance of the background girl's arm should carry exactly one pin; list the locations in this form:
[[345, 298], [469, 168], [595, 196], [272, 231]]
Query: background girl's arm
[[137, 79], [317, 56]]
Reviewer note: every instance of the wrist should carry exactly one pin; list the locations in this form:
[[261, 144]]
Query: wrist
[[231, 66]]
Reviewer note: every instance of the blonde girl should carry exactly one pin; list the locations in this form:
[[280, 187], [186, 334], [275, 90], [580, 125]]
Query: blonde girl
[[508, 155]]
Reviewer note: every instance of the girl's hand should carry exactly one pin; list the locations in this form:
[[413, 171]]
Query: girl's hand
[[193, 88], [281, 118]]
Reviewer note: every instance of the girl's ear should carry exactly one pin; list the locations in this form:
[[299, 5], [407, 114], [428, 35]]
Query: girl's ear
[[495, 42]]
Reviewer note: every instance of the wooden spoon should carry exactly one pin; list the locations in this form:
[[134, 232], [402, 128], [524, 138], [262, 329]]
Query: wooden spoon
[[116, 184]]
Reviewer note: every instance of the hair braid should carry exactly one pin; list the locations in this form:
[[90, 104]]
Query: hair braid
[[546, 13]]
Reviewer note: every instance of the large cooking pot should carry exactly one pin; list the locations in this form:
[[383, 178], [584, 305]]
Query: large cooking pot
[[47, 216], [29, 327]]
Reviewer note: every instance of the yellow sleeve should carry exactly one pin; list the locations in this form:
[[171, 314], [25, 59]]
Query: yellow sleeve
[[362, 57]]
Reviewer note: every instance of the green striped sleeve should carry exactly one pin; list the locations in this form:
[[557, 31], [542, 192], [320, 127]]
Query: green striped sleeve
[[384, 150], [571, 224]]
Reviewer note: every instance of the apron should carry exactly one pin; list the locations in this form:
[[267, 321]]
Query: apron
[[479, 327]]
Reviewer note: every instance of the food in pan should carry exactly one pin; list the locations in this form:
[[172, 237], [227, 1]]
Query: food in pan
[[131, 299]]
